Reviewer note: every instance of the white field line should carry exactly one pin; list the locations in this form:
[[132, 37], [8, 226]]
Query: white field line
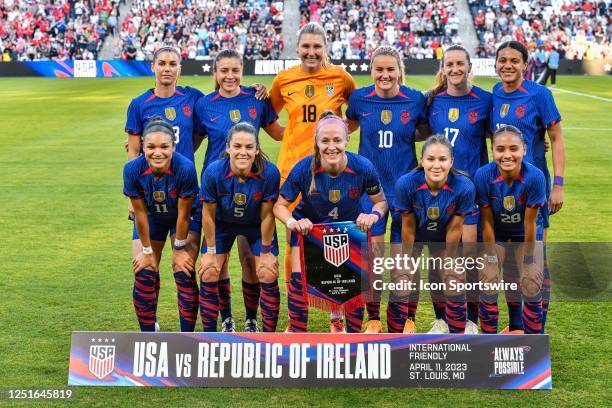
[[599, 98]]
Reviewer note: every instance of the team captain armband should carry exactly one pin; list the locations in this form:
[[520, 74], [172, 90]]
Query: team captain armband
[[373, 190]]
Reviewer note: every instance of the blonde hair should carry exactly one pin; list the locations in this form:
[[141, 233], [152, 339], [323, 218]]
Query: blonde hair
[[316, 159], [316, 29], [440, 82], [391, 52]]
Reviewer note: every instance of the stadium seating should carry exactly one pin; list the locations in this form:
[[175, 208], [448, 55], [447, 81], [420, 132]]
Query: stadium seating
[[576, 28], [201, 28], [60, 29], [355, 29]]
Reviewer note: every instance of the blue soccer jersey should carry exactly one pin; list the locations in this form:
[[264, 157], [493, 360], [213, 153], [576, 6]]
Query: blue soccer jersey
[[532, 109], [161, 195], [464, 120], [387, 130], [333, 198], [177, 109], [433, 212], [239, 202], [215, 115], [508, 203]]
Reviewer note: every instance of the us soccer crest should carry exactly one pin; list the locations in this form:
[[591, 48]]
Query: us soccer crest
[[240, 199], [336, 248], [433, 213], [252, 112], [473, 117], [453, 114], [235, 115], [170, 113], [334, 196], [509, 203], [101, 360], [519, 111], [309, 91], [386, 116], [329, 89], [503, 111], [186, 110], [159, 196], [405, 117]]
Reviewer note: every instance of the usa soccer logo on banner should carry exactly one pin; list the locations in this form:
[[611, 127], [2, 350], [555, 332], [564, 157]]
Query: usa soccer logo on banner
[[336, 248], [101, 359]]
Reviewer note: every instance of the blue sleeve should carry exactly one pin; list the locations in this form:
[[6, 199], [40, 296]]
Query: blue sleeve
[[422, 109], [208, 191], [269, 115], [403, 195], [292, 186], [133, 124], [482, 193], [131, 187], [547, 109], [466, 199], [272, 183], [187, 181], [371, 181], [536, 193], [351, 112]]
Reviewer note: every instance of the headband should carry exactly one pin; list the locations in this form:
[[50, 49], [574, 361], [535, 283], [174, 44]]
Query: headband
[[331, 120]]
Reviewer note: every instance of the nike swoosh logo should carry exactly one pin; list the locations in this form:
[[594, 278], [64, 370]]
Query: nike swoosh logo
[[435, 113], [367, 114], [215, 118], [291, 93]]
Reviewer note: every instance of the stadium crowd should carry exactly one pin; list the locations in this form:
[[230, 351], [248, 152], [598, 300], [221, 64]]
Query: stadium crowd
[[55, 29], [418, 28], [576, 29], [200, 29]]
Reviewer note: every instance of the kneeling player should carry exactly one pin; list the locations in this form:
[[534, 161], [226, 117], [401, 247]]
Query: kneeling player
[[161, 185], [239, 192], [510, 193]]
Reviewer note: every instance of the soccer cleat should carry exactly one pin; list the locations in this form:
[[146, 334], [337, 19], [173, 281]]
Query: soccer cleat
[[508, 331], [250, 326], [228, 326], [336, 326], [471, 327], [289, 329], [409, 326], [439, 326], [373, 326], [157, 328]]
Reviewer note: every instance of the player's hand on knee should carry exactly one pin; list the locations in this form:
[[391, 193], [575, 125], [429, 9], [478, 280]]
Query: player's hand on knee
[[303, 226], [209, 269], [365, 221], [532, 277], [267, 268], [145, 262], [182, 261]]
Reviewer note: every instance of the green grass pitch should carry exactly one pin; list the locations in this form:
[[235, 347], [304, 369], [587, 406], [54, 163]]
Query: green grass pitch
[[66, 253]]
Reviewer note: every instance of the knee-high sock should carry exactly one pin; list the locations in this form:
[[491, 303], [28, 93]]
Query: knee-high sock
[[488, 313], [354, 320], [413, 304], [250, 293], [144, 296], [188, 300], [397, 313], [437, 296], [456, 313], [298, 304], [225, 298], [373, 310], [546, 288], [472, 297], [532, 314], [209, 305], [270, 305]]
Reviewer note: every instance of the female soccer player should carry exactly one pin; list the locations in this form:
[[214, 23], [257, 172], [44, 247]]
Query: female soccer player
[[388, 113], [460, 111], [433, 201], [239, 192], [510, 194], [161, 185], [215, 114], [305, 91], [175, 104], [531, 108], [330, 169]]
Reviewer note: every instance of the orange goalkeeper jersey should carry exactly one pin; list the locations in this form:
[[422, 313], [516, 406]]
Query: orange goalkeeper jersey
[[305, 96]]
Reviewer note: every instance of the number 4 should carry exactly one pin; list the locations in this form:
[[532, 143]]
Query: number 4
[[334, 213]]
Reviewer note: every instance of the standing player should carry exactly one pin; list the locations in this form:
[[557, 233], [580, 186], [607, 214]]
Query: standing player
[[388, 113], [460, 111], [175, 104], [510, 195], [305, 91], [161, 186], [433, 201], [239, 192], [331, 183], [215, 114], [531, 108]]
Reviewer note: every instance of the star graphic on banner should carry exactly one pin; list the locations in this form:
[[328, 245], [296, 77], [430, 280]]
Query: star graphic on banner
[[112, 340], [93, 340], [206, 68], [100, 340], [345, 229], [338, 230], [353, 67], [324, 230], [607, 67], [364, 67], [106, 340], [343, 66]]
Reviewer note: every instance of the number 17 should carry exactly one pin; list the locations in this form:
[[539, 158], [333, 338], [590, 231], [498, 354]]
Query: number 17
[[448, 132]]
